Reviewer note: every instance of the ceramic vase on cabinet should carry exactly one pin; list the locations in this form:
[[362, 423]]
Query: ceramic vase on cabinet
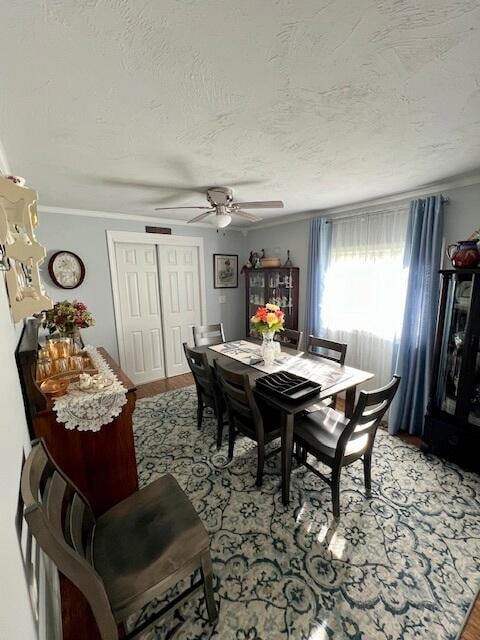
[[465, 254]]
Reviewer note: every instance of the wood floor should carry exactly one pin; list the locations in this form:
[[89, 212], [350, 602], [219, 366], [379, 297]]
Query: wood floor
[[472, 628], [160, 386]]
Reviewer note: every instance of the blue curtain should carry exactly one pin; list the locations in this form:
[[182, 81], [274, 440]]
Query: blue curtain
[[415, 352], [318, 256]]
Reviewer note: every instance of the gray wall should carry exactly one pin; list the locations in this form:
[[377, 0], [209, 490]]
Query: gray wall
[[462, 217], [462, 214], [86, 236]]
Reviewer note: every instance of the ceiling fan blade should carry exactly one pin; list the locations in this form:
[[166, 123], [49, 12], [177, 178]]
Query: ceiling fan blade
[[201, 216], [265, 204], [241, 183], [140, 184], [170, 208], [247, 216]]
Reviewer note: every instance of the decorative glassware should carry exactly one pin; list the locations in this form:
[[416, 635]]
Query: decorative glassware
[[44, 369], [43, 353], [269, 350], [41, 370], [76, 362], [62, 365], [59, 347]]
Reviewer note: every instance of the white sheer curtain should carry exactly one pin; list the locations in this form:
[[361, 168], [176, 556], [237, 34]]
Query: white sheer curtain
[[365, 288]]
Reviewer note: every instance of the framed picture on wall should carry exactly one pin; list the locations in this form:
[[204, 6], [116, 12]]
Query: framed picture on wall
[[225, 271]]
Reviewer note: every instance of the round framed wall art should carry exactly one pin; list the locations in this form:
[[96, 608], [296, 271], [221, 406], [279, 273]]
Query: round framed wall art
[[66, 269]]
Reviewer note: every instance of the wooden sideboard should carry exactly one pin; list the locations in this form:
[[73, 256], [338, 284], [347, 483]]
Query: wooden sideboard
[[102, 464]]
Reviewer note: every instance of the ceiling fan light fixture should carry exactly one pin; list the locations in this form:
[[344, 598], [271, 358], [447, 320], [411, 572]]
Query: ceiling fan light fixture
[[221, 220]]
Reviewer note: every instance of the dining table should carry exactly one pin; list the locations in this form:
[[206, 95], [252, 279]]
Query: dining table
[[348, 378]]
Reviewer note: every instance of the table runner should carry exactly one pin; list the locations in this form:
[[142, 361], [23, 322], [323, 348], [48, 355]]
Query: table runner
[[90, 411], [323, 372]]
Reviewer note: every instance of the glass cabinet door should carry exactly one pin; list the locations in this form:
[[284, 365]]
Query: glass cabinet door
[[453, 352], [256, 289], [474, 408], [279, 291]]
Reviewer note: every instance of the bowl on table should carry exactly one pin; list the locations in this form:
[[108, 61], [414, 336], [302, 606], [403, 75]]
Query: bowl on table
[[55, 387]]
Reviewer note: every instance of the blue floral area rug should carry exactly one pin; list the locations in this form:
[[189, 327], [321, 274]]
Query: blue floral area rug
[[404, 564]]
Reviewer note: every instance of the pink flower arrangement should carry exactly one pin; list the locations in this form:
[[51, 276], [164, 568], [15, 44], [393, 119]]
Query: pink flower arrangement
[[65, 317], [269, 318]]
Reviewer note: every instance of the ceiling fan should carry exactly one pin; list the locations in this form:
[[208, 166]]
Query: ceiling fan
[[223, 206]]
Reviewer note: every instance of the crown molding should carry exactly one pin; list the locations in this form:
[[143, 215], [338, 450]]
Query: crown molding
[[362, 205], [331, 212], [89, 213], [4, 165]]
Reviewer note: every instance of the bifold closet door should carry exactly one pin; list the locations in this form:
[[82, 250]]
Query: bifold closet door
[[141, 320], [181, 305]]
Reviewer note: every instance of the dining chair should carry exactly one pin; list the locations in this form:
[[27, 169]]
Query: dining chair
[[120, 561], [247, 416], [337, 441], [209, 393], [331, 350], [336, 351], [290, 338], [208, 334]]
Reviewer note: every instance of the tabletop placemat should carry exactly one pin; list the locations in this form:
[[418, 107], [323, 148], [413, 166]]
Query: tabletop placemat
[[248, 353]]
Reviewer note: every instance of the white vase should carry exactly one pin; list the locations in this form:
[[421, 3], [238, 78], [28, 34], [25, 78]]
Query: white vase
[[268, 347]]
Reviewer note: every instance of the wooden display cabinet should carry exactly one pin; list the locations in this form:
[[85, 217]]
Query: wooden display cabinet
[[278, 285]]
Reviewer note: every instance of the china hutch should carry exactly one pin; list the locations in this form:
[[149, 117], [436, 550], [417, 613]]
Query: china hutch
[[277, 285], [452, 423]]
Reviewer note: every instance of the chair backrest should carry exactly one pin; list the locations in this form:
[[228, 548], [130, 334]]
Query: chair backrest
[[242, 408], [208, 334], [290, 338], [329, 349], [62, 522], [368, 413], [201, 370]]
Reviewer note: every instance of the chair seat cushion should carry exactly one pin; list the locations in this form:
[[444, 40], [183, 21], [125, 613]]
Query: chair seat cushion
[[146, 538], [321, 430]]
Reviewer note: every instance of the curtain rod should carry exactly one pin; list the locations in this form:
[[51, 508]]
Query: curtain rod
[[386, 209]]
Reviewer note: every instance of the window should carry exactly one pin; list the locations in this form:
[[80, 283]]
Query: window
[[365, 288]]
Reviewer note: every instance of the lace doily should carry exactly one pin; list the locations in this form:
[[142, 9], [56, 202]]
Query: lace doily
[[90, 411]]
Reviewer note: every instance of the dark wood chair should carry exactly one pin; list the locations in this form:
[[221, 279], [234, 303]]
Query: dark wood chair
[[331, 350], [130, 555], [246, 416], [290, 338], [336, 351], [208, 389], [208, 334], [338, 441]]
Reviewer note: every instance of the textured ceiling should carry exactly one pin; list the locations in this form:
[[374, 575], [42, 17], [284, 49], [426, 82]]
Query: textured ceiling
[[318, 102]]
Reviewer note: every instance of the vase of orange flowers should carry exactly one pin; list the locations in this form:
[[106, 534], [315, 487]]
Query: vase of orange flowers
[[267, 321]]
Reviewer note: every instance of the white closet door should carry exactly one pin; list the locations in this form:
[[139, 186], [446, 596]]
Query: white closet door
[[137, 276], [181, 304]]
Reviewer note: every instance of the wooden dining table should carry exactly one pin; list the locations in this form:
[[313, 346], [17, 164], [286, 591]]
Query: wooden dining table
[[288, 410]]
